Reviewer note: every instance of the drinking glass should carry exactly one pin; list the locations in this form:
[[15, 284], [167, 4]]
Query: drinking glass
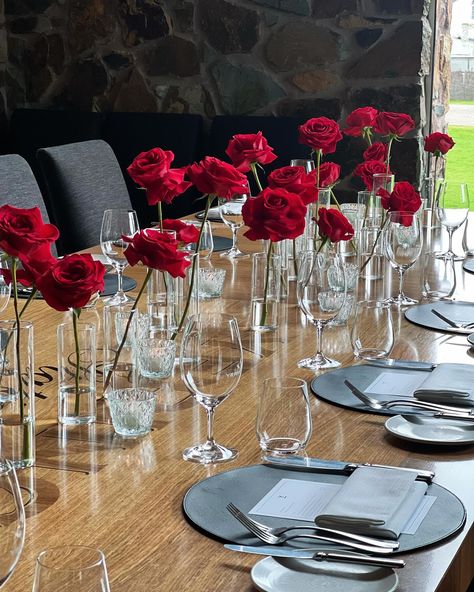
[[72, 568], [207, 242], [403, 242], [307, 164], [116, 224], [230, 211], [12, 520], [452, 208], [382, 181], [5, 288], [284, 422], [372, 333], [211, 365], [321, 292]]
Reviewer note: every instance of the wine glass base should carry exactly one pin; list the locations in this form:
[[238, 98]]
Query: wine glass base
[[234, 254], [207, 454], [400, 300], [319, 362], [449, 256], [118, 300]]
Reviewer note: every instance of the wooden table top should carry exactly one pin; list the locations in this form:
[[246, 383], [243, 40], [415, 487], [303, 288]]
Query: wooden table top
[[124, 496]]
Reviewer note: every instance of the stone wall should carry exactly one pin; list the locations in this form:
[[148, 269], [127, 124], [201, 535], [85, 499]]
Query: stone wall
[[284, 57]]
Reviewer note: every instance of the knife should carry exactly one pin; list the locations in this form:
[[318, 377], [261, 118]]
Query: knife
[[318, 555], [402, 364], [336, 466]]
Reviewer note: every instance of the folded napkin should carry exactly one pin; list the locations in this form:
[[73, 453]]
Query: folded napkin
[[448, 383], [374, 501]]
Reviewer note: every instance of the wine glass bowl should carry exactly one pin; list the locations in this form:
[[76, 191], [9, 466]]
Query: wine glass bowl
[[452, 208], [116, 224], [230, 211], [211, 365]]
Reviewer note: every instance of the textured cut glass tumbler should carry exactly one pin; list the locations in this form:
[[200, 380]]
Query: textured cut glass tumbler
[[132, 411]]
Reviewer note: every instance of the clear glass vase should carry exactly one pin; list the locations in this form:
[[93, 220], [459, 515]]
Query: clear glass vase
[[17, 396], [266, 290]]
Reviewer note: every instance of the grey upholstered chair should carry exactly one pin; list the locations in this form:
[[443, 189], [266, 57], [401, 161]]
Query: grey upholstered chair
[[82, 180]]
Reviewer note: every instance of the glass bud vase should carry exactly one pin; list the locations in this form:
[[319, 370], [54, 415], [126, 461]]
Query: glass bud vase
[[186, 294], [17, 396], [76, 373], [265, 295]]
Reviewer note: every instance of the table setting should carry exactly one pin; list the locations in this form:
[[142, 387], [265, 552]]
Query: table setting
[[326, 459]]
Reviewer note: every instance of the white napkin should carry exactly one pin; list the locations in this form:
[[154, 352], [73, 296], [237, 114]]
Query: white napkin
[[374, 501], [448, 383]]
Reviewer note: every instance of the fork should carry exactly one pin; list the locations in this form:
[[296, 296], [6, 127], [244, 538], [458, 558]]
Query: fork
[[438, 410], [271, 539], [454, 324], [234, 510]]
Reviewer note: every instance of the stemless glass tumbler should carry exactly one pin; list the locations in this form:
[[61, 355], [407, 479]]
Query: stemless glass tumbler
[[211, 364], [372, 333]]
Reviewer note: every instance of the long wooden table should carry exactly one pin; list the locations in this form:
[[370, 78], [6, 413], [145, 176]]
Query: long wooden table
[[124, 496]]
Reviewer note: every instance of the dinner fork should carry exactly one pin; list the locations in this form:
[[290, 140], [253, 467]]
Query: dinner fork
[[238, 514], [452, 323], [271, 539], [437, 409]]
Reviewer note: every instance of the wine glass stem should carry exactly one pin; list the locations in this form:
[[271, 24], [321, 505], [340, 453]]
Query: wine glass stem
[[119, 279], [450, 235], [235, 229], [401, 273], [210, 425], [319, 338]]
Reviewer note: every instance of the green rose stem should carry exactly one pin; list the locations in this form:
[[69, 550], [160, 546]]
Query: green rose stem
[[160, 216], [127, 327], [374, 246], [295, 265], [263, 317], [77, 402], [390, 142], [253, 168], [210, 199]]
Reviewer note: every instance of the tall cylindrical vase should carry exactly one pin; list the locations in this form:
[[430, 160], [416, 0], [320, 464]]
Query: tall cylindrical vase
[[17, 396], [119, 369], [265, 295], [186, 293], [76, 373]]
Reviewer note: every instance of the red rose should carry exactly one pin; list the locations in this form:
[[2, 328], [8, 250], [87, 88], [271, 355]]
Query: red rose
[[247, 149], [378, 151], [320, 133], [156, 250], [166, 188], [393, 124], [71, 281], [23, 230], [149, 166], [367, 169], [275, 214], [402, 199], [185, 233], [334, 225], [438, 143], [295, 180], [359, 120], [329, 174], [33, 266], [212, 176]]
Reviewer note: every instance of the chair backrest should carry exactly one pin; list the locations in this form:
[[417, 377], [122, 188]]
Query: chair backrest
[[82, 180]]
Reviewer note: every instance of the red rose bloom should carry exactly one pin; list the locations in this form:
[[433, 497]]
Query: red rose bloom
[[212, 176], [166, 188], [33, 266], [367, 169], [295, 180], [23, 230], [156, 250], [378, 151], [185, 233], [402, 199], [334, 225], [329, 174], [438, 143], [359, 119], [149, 166], [71, 281], [320, 133], [393, 124], [247, 149], [275, 214]]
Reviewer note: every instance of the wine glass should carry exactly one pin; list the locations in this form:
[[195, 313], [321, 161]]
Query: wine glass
[[230, 211], [12, 520], [452, 208], [307, 164], [403, 240], [5, 288], [116, 224], [211, 364], [72, 568], [321, 292]]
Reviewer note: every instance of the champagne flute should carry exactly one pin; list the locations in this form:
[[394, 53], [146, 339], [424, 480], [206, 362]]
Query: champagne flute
[[116, 224], [72, 568], [5, 288], [452, 208], [230, 211], [321, 292], [12, 520], [211, 365], [403, 242]]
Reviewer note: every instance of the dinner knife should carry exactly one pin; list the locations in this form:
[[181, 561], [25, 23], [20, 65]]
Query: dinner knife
[[402, 364], [336, 466], [318, 555]]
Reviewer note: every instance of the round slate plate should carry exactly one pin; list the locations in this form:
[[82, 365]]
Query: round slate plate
[[205, 506], [421, 314], [110, 286], [468, 265]]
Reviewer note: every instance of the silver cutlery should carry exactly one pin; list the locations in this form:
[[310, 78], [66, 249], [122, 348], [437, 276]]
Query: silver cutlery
[[271, 539], [452, 323], [319, 555], [436, 408], [401, 364], [244, 519], [335, 466]]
